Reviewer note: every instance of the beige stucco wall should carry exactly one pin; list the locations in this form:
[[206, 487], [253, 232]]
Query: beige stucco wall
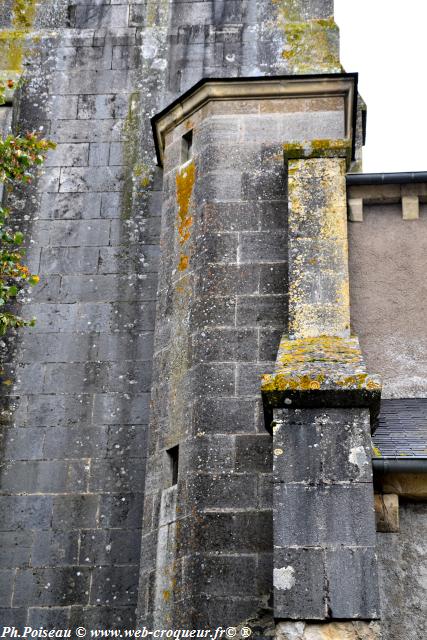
[[388, 288]]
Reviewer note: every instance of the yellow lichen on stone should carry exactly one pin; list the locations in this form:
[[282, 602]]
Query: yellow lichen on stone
[[185, 179], [325, 362], [311, 44], [318, 290], [12, 41]]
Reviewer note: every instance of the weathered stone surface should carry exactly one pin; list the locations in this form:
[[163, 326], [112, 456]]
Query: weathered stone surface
[[402, 558], [329, 631]]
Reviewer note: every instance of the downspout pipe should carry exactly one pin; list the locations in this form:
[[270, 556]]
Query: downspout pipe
[[398, 465], [408, 177]]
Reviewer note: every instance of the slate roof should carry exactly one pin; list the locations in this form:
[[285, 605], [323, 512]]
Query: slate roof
[[402, 429]]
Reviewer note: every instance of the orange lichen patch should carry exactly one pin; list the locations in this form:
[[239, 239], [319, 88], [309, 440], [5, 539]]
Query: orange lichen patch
[[185, 179], [183, 263]]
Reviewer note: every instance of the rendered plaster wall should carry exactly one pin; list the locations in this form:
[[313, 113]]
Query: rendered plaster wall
[[388, 261], [403, 575]]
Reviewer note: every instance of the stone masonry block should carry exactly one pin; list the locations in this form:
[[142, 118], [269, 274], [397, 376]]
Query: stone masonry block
[[262, 311], [209, 491], [224, 415], [262, 246], [324, 515], [299, 586], [318, 446], [55, 548], [122, 510], [75, 511], [15, 549], [353, 583], [6, 586], [115, 584], [44, 476], [70, 205], [225, 345], [224, 575], [110, 547], [253, 453], [51, 587], [69, 155]]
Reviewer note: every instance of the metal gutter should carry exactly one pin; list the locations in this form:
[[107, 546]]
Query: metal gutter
[[407, 177], [383, 466]]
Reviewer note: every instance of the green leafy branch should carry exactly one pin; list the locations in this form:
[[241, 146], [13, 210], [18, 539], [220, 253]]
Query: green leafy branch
[[19, 155]]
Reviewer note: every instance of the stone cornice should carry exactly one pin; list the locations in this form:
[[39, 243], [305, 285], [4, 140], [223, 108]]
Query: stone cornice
[[256, 88]]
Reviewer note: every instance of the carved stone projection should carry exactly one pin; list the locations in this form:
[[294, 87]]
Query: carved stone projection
[[320, 396]]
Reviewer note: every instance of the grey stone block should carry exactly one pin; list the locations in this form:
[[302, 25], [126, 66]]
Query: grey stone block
[[128, 441], [118, 475], [249, 378], [44, 476], [238, 532], [217, 311], [110, 547], [273, 279], [103, 107], [222, 491], [119, 346], [75, 512], [15, 548], [75, 442], [22, 444], [55, 548], [87, 130], [99, 154], [225, 345], [323, 446], [353, 583], [14, 617], [50, 618], [224, 415], [6, 586], [253, 453], [262, 311], [225, 575], [121, 510], [80, 179], [70, 206], [51, 587], [263, 246], [68, 155], [25, 512], [69, 260], [324, 515], [114, 408], [94, 57], [214, 379], [269, 340], [214, 451], [217, 247], [72, 233], [299, 585], [220, 279], [115, 584]]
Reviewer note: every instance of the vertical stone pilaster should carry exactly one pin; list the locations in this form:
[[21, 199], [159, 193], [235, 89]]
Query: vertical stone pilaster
[[325, 565]]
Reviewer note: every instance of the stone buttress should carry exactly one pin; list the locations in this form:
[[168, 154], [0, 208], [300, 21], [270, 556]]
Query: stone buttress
[[323, 401]]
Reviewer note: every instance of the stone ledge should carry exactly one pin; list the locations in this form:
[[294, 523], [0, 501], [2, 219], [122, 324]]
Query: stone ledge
[[320, 372]]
